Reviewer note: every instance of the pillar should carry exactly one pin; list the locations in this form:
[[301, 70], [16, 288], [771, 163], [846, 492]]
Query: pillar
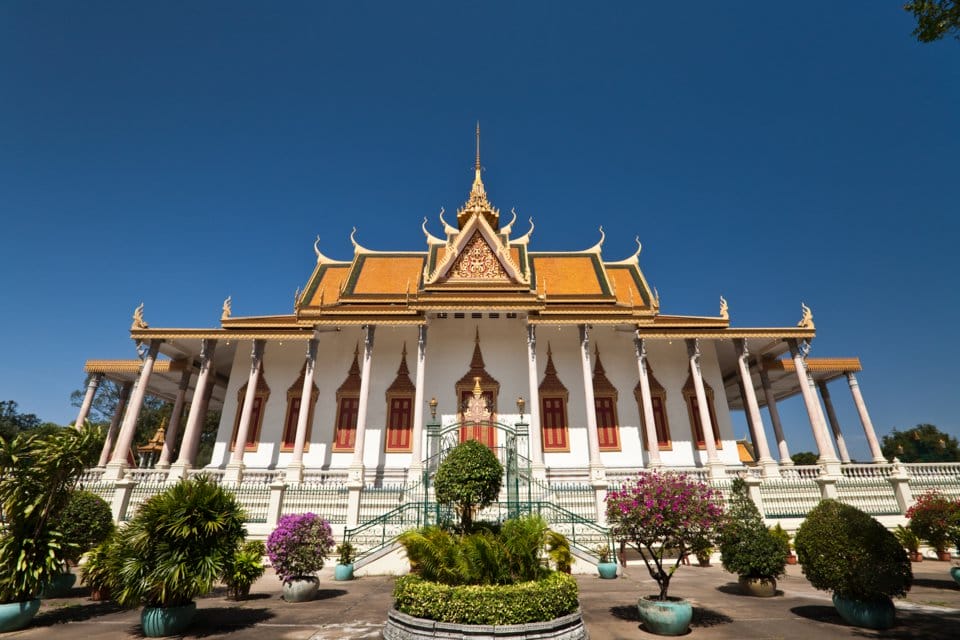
[[115, 423], [295, 467], [197, 413], [356, 467], [649, 420], [828, 457], [771, 401], [709, 435], [539, 469], [416, 438], [234, 472], [93, 381], [118, 460], [865, 418], [173, 428], [834, 422], [752, 408], [597, 471]]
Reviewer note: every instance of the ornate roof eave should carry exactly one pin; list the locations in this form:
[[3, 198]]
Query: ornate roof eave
[[242, 322], [841, 365], [133, 366], [676, 333]]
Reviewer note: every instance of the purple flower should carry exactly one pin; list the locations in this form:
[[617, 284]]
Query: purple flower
[[298, 545]]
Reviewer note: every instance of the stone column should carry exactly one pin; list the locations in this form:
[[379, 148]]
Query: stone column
[[828, 457], [234, 472], [753, 410], [118, 461], [356, 467], [93, 381], [538, 468], [646, 399], [173, 428], [768, 395], [115, 424], [416, 437], [709, 436], [865, 418], [197, 413], [834, 422], [597, 472], [295, 467]]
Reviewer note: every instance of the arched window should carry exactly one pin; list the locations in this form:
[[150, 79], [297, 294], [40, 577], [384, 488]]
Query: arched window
[[294, 394], [693, 410], [554, 397], [400, 396], [256, 417], [658, 397], [605, 404], [348, 407]]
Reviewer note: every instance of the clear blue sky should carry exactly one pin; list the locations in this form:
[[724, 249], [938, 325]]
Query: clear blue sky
[[178, 152]]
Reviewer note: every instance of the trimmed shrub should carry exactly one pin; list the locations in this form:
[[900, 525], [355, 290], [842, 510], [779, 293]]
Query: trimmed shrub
[[748, 547], [468, 478], [85, 521], [521, 603], [844, 550]]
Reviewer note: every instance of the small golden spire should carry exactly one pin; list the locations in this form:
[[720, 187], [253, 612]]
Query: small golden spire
[[724, 309], [477, 166]]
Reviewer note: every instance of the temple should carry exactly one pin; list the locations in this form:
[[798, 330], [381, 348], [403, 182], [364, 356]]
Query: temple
[[569, 351]]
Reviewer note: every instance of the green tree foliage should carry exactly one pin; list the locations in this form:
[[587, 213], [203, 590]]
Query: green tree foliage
[[748, 547], [935, 18], [13, 422], [85, 520], [804, 458], [922, 443], [844, 550], [468, 478]]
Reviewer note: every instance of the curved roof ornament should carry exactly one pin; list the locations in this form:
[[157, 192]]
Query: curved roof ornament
[[431, 239], [806, 322], [138, 321], [357, 247], [724, 308], [447, 229], [320, 256], [526, 237], [597, 247], [507, 228]]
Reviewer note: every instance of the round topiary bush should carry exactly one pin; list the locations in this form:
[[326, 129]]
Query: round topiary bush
[[844, 550], [748, 547], [469, 478], [85, 521]]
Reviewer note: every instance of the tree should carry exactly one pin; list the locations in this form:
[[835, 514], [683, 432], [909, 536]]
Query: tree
[[923, 443], [13, 422], [469, 478], [935, 18], [105, 402], [804, 457]]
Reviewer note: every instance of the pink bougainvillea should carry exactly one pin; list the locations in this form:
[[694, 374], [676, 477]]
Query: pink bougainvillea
[[299, 544]]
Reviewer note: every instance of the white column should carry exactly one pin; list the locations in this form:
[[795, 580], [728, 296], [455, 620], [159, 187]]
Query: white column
[[118, 460], [295, 468], [753, 410], [115, 423], [709, 436], [416, 437], [771, 400], [197, 414], [234, 472], [818, 424], [649, 420], [865, 418], [597, 472], [93, 382], [173, 428], [834, 422], [362, 402], [538, 468]]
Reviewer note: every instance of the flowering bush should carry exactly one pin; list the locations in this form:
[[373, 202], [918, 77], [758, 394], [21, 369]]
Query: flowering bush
[[299, 544], [660, 515], [936, 519]]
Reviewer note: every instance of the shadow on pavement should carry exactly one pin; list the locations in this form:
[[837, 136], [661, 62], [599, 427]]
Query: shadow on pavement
[[326, 594], [910, 625], [217, 620], [75, 613], [935, 584]]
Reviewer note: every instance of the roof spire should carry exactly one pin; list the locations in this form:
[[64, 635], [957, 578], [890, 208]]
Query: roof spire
[[477, 202], [477, 165]]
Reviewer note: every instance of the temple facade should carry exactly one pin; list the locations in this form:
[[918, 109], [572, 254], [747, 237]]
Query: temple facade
[[572, 345]]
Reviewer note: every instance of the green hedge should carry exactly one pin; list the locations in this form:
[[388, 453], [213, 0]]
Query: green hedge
[[552, 597]]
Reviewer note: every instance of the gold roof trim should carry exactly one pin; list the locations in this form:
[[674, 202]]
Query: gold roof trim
[[297, 333], [842, 365], [133, 366]]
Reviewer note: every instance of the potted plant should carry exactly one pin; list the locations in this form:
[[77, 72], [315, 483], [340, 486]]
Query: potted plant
[[297, 548], [469, 478], [244, 568], [95, 571], [86, 521], [933, 517], [844, 550], [909, 541], [656, 512], [606, 567], [176, 547], [346, 554], [37, 473], [557, 547], [782, 534], [702, 548], [748, 548]]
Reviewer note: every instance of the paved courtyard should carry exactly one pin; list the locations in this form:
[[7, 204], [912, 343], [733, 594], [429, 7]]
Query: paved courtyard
[[357, 609]]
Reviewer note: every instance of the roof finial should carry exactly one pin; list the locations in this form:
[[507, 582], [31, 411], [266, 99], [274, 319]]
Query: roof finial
[[477, 165]]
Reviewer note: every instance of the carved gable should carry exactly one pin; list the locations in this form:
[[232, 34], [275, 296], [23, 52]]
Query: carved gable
[[477, 261]]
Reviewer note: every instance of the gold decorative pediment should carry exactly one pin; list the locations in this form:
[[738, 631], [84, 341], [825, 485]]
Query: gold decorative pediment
[[477, 262]]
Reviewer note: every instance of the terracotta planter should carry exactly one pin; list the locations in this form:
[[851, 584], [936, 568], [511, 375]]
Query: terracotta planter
[[915, 556], [791, 559], [758, 587], [944, 556], [100, 594]]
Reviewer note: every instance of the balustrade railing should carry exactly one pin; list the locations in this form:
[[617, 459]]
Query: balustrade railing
[[326, 500]]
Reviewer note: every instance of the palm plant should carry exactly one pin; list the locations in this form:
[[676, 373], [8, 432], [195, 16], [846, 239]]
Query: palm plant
[[558, 550]]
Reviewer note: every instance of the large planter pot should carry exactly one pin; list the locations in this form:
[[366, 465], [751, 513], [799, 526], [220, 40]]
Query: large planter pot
[[955, 573], [301, 589], [401, 626], [876, 614], [945, 556], [607, 570], [60, 586], [758, 587], [915, 556], [342, 572], [158, 622], [791, 559], [17, 615], [665, 617]]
